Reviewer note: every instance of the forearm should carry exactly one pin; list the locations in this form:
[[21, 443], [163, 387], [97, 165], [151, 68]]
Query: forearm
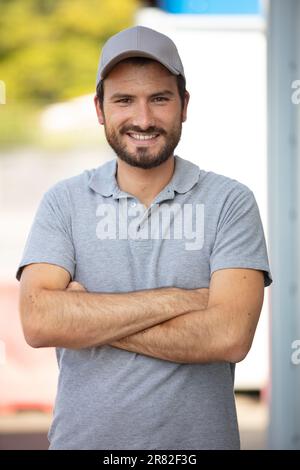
[[194, 337], [222, 331], [82, 319]]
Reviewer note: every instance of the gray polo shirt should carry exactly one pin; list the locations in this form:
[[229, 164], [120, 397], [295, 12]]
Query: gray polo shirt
[[200, 222]]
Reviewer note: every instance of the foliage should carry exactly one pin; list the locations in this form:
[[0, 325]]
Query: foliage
[[49, 49]]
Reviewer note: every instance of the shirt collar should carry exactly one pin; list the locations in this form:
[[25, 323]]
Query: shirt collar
[[186, 175], [103, 179]]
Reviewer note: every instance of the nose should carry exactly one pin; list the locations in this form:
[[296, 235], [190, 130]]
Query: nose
[[143, 116]]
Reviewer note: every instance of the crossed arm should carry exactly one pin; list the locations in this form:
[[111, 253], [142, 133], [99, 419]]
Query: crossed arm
[[223, 331], [173, 324]]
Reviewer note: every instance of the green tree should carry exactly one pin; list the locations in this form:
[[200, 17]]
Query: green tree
[[49, 49]]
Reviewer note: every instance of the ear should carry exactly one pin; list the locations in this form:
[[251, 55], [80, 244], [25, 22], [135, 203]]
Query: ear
[[99, 110], [185, 106]]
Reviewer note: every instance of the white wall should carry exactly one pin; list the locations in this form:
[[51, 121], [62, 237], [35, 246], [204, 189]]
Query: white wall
[[225, 66]]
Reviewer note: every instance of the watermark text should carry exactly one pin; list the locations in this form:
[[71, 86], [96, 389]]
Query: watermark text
[[295, 357], [158, 222], [2, 92]]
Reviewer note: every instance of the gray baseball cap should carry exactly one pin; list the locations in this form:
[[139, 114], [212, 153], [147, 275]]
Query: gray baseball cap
[[139, 41]]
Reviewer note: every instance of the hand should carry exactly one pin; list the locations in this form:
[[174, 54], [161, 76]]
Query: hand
[[76, 286]]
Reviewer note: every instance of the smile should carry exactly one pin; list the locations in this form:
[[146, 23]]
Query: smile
[[142, 137]]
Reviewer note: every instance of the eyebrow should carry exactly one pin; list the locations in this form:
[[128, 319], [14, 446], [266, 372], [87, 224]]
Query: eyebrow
[[126, 95], [165, 92]]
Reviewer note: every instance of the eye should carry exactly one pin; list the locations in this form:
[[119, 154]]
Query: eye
[[160, 99], [124, 101]]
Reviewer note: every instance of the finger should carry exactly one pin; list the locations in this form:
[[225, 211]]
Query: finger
[[75, 286]]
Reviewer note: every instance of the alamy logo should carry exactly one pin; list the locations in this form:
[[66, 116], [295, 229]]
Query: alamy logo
[[2, 93], [295, 357], [296, 94], [158, 222]]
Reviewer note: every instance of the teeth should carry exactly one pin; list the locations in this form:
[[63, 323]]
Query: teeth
[[143, 136]]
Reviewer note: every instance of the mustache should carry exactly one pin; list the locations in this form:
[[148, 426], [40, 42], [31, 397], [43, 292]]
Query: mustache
[[149, 130]]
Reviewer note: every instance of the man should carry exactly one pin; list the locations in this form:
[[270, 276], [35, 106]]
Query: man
[[147, 274]]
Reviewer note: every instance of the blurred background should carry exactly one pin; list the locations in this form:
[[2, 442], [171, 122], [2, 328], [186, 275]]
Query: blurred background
[[242, 65]]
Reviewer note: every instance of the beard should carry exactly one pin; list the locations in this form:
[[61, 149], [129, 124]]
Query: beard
[[142, 157]]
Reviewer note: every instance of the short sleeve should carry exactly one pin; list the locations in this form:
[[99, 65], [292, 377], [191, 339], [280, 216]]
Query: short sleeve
[[50, 237], [240, 240]]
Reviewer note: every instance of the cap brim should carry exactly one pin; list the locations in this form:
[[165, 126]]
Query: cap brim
[[127, 54]]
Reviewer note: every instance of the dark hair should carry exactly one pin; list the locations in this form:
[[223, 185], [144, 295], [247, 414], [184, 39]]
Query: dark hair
[[142, 61]]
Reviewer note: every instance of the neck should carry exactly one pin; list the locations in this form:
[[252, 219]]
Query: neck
[[145, 185]]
